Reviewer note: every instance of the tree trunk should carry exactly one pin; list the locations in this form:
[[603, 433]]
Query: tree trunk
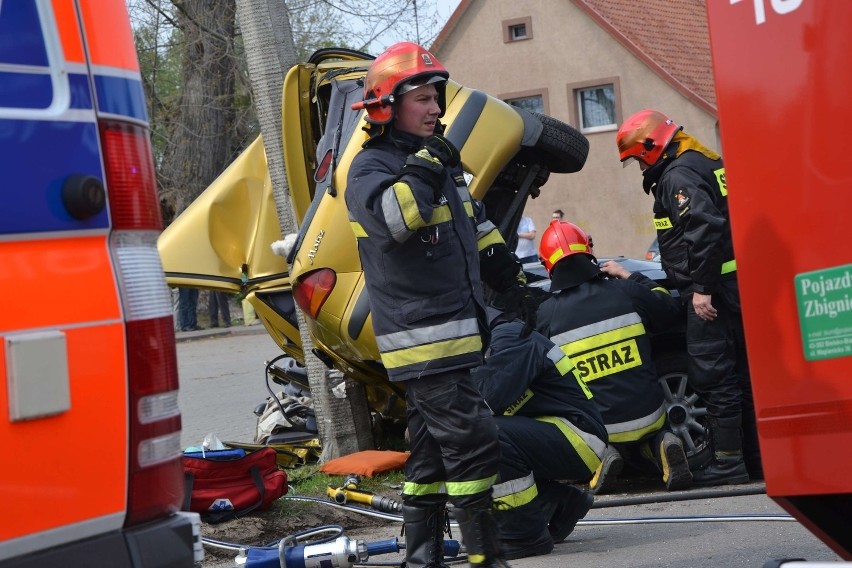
[[200, 141], [270, 52]]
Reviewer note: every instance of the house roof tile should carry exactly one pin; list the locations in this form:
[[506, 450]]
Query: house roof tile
[[671, 37]]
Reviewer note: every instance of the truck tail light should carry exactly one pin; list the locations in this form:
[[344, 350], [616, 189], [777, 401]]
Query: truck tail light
[[313, 289], [155, 486]]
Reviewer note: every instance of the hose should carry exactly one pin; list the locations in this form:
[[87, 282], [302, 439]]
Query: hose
[[688, 495], [599, 504]]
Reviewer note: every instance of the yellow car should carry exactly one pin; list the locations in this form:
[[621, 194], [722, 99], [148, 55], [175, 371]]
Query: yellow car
[[507, 153]]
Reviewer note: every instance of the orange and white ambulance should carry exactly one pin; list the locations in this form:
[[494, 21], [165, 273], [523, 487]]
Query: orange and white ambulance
[[90, 471]]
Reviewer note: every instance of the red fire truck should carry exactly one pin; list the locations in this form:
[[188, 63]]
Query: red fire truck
[[783, 72]]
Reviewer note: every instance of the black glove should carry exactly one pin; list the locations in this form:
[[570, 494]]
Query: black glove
[[520, 302], [428, 162], [498, 267], [443, 149]]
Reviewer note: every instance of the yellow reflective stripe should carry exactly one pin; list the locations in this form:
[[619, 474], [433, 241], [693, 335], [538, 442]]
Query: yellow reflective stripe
[[663, 223], [605, 338], [514, 493], [424, 154], [472, 487], [429, 334], [578, 246], [432, 351], [476, 559], [557, 254], [468, 208], [492, 237], [729, 266], [358, 229], [399, 208], [628, 432], [606, 361], [564, 365], [440, 214], [412, 488], [515, 406], [581, 445], [661, 289], [721, 181]]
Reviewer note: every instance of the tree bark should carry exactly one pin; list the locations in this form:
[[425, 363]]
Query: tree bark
[[200, 142], [270, 52]]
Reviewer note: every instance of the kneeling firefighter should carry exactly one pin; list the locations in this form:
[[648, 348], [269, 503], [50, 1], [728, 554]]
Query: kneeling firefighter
[[549, 429], [602, 325], [425, 247]]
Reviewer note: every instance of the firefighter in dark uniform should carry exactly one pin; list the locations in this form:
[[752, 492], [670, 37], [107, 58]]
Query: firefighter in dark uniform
[[549, 429], [425, 247], [687, 180], [603, 326]]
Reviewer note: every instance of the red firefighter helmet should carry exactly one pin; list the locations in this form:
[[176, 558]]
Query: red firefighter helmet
[[399, 68], [644, 136], [562, 239]]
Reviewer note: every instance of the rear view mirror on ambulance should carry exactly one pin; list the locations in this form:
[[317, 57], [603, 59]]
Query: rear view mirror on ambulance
[[89, 418]]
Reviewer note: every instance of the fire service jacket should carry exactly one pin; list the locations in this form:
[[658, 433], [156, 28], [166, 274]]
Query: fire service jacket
[[691, 218], [420, 252], [530, 376], [603, 326]]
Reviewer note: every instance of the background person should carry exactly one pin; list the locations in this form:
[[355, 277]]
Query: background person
[[525, 249], [188, 309], [419, 238], [218, 303], [549, 429], [687, 180], [603, 326]]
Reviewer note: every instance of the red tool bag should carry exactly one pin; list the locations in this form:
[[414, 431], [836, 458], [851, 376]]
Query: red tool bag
[[223, 485]]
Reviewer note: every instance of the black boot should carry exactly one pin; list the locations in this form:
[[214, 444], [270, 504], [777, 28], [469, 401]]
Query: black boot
[[424, 535], [673, 462], [564, 505], [480, 534], [727, 466]]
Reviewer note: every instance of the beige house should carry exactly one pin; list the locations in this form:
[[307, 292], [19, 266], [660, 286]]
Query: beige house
[[590, 63]]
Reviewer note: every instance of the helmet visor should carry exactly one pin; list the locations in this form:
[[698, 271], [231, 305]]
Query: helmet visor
[[630, 160], [419, 82]]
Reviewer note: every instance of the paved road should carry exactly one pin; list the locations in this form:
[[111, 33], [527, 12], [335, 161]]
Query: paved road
[[222, 380]]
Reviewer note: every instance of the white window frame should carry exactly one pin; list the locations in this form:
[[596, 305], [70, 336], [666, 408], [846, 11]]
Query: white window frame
[[579, 105]]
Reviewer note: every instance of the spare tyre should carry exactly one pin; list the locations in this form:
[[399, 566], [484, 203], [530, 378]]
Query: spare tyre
[[558, 146]]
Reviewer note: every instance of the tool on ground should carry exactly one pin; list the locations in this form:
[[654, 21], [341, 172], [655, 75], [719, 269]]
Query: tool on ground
[[342, 552], [349, 492]]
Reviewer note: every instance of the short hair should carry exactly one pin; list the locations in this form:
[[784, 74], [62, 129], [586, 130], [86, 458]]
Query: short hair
[[559, 212]]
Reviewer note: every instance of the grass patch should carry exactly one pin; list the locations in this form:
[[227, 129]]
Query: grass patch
[[308, 481]]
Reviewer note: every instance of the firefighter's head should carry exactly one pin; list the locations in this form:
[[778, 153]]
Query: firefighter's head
[[401, 68], [644, 136], [567, 254]]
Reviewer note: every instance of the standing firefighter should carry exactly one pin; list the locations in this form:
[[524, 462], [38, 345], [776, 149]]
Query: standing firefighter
[[687, 180], [421, 239], [603, 325]]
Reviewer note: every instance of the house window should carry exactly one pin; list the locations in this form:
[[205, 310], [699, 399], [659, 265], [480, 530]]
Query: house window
[[595, 105], [518, 32], [534, 103], [596, 108], [517, 29]]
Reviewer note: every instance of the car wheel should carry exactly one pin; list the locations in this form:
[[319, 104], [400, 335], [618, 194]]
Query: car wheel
[[685, 412], [562, 146]]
